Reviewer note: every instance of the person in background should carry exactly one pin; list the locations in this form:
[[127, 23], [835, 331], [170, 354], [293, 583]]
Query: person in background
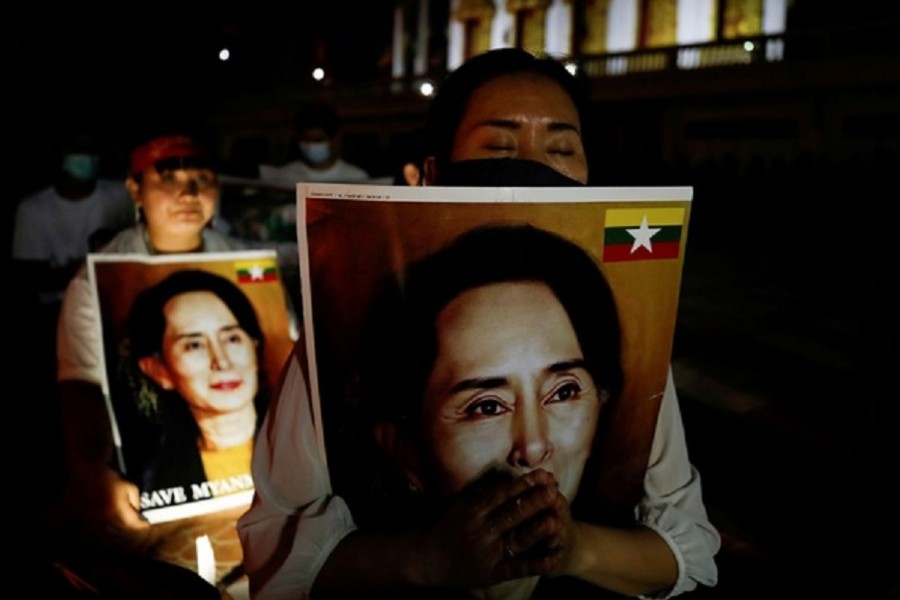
[[56, 227], [318, 143], [175, 190], [504, 118]]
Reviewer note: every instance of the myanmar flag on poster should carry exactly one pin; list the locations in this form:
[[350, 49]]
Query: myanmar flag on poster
[[642, 233], [256, 271]]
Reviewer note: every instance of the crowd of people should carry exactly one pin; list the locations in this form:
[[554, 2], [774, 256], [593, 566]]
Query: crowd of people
[[512, 535]]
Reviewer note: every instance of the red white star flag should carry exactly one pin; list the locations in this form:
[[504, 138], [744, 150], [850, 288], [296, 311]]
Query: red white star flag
[[642, 234], [253, 271]]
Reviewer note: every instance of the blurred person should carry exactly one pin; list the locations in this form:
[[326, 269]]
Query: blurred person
[[197, 337], [56, 227], [53, 230], [301, 539], [318, 143]]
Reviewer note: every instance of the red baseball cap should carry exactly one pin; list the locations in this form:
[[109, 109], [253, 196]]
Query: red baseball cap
[[157, 149]]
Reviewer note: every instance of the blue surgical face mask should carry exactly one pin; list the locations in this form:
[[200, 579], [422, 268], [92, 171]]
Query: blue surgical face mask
[[82, 167], [316, 152]]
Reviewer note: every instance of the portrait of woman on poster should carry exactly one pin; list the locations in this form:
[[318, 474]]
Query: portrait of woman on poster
[[195, 352], [496, 356]]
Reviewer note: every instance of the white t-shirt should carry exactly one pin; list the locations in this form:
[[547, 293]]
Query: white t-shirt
[[298, 171], [57, 231]]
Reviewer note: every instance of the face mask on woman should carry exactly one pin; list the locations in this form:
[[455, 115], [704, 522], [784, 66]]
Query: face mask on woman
[[83, 167], [502, 172], [316, 152]]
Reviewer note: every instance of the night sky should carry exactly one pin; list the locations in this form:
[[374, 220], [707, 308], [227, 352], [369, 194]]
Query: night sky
[[60, 62]]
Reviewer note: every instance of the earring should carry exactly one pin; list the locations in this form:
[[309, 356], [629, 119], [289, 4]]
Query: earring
[[138, 213]]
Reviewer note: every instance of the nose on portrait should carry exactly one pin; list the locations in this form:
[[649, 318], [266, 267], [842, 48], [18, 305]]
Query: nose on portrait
[[219, 358], [531, 445]]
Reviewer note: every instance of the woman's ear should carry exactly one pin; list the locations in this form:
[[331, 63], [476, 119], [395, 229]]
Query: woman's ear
[[412, 175], [429, 168], [133, 187], [603, 396], [400, 451], [157, 371]]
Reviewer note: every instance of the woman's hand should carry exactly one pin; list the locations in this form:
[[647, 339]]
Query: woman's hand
[[495, 531], [106, 508]]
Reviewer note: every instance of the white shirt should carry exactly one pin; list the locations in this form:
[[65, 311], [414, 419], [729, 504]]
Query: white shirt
[[298, 171], [55, 230]]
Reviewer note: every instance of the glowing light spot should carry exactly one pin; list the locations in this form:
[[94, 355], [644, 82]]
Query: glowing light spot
[[426, 88], [748, 46], [224, 54], [318, 74], [572, 68]]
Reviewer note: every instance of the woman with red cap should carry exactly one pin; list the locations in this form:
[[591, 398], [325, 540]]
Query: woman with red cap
[[175, 191]]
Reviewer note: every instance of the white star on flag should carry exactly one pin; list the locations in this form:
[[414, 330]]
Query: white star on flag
[[256, 272], [642, 236]]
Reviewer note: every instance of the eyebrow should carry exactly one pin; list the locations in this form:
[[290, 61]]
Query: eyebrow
[[489, 383], [512, 124], [193, 334]]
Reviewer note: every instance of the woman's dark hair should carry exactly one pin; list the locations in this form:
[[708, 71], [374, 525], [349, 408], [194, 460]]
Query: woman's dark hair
[[452, 99], [147, 321], [401, 332], [317, 116], [400, 338]]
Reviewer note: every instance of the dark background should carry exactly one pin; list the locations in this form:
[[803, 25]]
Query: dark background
[[785, 349]]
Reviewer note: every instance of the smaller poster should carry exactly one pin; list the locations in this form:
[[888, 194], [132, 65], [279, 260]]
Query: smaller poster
[[193, 347]]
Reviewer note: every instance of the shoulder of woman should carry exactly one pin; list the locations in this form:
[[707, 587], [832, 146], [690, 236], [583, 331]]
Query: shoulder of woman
[[213, 241], [127, 241]]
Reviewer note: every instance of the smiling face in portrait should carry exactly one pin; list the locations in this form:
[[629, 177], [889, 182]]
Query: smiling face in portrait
[[541, 125], [509, 389], [206, 355]]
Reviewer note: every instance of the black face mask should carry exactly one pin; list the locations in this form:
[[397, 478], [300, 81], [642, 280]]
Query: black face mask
[[501, 172]]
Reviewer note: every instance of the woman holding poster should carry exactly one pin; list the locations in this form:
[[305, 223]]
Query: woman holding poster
[[175, 189], [504, 118]]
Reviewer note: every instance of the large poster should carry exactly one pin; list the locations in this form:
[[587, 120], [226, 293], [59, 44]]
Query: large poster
[[455, 333], [193, 347]]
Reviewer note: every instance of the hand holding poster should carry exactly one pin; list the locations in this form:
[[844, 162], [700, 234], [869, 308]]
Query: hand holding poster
[[471, 335]]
